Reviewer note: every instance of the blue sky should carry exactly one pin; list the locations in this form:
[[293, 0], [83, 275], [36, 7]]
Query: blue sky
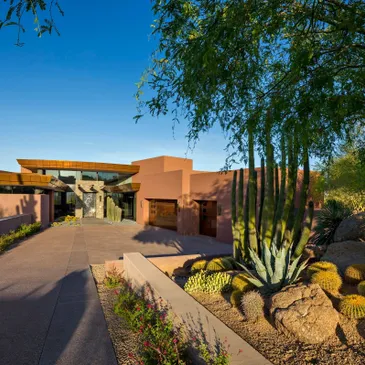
[[71, 97]]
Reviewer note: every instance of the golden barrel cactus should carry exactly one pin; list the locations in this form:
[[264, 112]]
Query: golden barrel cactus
[[198, 265], [361, 288], [235, 298], [241, 283], [355, 273], [219, 264], [353, 306], [321, 266], [328, 280]]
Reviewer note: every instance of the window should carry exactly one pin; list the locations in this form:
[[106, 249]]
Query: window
[[108, 177], [70, 198], [68, 177], [57, 198], [54, 173], [89, 175]]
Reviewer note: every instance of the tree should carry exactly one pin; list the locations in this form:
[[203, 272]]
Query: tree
[[16, 11]]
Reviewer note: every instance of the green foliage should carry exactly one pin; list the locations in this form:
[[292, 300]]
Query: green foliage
[[198, 265], [211, 357], [208, 282], [361, 288], [328, 280], [321, 266], [328, 219], [24, 230], [219, 264], [252, 306], [353, 306], [114, 213], [274, 270], [235, 298], [68, 220], [242, 283], [113, 278], [355, 273], [16, 11]]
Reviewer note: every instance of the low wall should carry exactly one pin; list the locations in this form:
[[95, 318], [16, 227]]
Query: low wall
[[196, 319], [12, 223], [17, 204]]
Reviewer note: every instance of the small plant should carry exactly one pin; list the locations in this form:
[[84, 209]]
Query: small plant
[[361, 288], [210, 356], [274, 270], [113, 278], [207, 282], [219, 264], [355, 273], [329, 218], [242, 283], [252, 306], [328, 280], [198, 265], [321, 266], [235, 298], [353, 306]]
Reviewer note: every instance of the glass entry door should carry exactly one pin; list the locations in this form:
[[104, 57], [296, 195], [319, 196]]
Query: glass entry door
[[89, 205]]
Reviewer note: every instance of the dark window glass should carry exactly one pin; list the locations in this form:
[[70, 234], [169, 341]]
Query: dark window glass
[[57, 198], [71, 198], [54, 173], [89, 175], [68, 177], [108, 177]]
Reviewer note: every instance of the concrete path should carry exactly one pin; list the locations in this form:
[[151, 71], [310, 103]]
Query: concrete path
[[49, 307]]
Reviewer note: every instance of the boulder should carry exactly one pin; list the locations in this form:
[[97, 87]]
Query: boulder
[[305, 312], [312, 252], [351, 229], [345, 253]]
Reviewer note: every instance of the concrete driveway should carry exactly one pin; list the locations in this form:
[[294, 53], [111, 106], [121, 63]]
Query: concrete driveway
[[49, 308]]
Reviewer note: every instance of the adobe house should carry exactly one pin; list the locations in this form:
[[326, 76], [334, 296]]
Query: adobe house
[[162, 191]]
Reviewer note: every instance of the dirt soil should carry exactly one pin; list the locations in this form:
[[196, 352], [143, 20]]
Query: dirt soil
[[347, 347], [123, 339]]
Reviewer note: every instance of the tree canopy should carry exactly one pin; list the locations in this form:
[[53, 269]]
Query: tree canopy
[[284, 67], [40, 11]]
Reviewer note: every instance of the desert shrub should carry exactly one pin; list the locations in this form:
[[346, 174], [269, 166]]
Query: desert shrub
[[353, 306], [242, 283], [23, 231], [361, 288], [208, 282], [252, 305], [235, 298], [328, 280], [219, 264], [328, 219], [321, 266], [355, 273], [198, 265], [113, 278]]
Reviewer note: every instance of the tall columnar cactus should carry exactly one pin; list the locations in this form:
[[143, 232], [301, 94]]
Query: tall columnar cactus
[[234, 218], [240, 218]]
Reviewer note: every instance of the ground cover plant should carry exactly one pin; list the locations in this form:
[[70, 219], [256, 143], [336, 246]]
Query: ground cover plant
[[25, 230], [68, 220]]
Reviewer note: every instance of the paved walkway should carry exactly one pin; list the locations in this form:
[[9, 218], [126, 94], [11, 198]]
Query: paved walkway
[[49, 308]]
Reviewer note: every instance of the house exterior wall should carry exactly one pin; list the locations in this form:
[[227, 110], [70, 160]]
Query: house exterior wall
[[35, 204], [87, 186]]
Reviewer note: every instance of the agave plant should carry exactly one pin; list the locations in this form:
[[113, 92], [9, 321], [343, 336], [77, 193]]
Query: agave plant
[[275, 269]]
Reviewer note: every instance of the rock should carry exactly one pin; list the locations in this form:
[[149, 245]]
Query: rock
[[312, 252], [345, 253], [351, 229], [305, 312]]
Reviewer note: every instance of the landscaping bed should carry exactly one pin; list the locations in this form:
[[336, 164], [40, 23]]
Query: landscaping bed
[[68, 220], [346, 347]]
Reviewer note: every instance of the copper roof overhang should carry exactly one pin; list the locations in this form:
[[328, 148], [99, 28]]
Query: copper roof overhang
[[33, 180], [34, 165], [123, 188]]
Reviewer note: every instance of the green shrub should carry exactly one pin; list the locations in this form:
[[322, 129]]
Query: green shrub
[[329, 218], [208, 282], [113, 278], [23, 231]]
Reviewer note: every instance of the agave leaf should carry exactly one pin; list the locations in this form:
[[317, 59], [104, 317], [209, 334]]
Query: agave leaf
[[258, 265], [251, 278], [266, 253], [298, 270], [279, 267], [291, 270]]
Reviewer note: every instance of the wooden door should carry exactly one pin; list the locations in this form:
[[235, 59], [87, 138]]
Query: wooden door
[[163, 213], [208, 218]]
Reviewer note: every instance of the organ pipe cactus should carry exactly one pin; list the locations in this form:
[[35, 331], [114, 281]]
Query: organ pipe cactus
[[236, 244]]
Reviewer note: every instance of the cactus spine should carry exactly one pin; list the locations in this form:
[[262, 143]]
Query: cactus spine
[[328, 280], [321, 266], [361, 288], [252, 306], [353, 306], [355, 273]]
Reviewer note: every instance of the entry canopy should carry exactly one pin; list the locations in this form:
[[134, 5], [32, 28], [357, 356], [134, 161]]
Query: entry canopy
[[123, 188], [47, 182]]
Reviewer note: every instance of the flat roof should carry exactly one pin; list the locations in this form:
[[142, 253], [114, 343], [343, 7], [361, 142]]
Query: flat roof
[[34, 165], [34, 180]]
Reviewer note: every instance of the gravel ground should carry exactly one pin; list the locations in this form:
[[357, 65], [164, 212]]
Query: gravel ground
[[347, 347], [124, 340]]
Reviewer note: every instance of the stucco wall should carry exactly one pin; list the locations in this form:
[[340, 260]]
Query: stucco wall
[[35, 204]]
